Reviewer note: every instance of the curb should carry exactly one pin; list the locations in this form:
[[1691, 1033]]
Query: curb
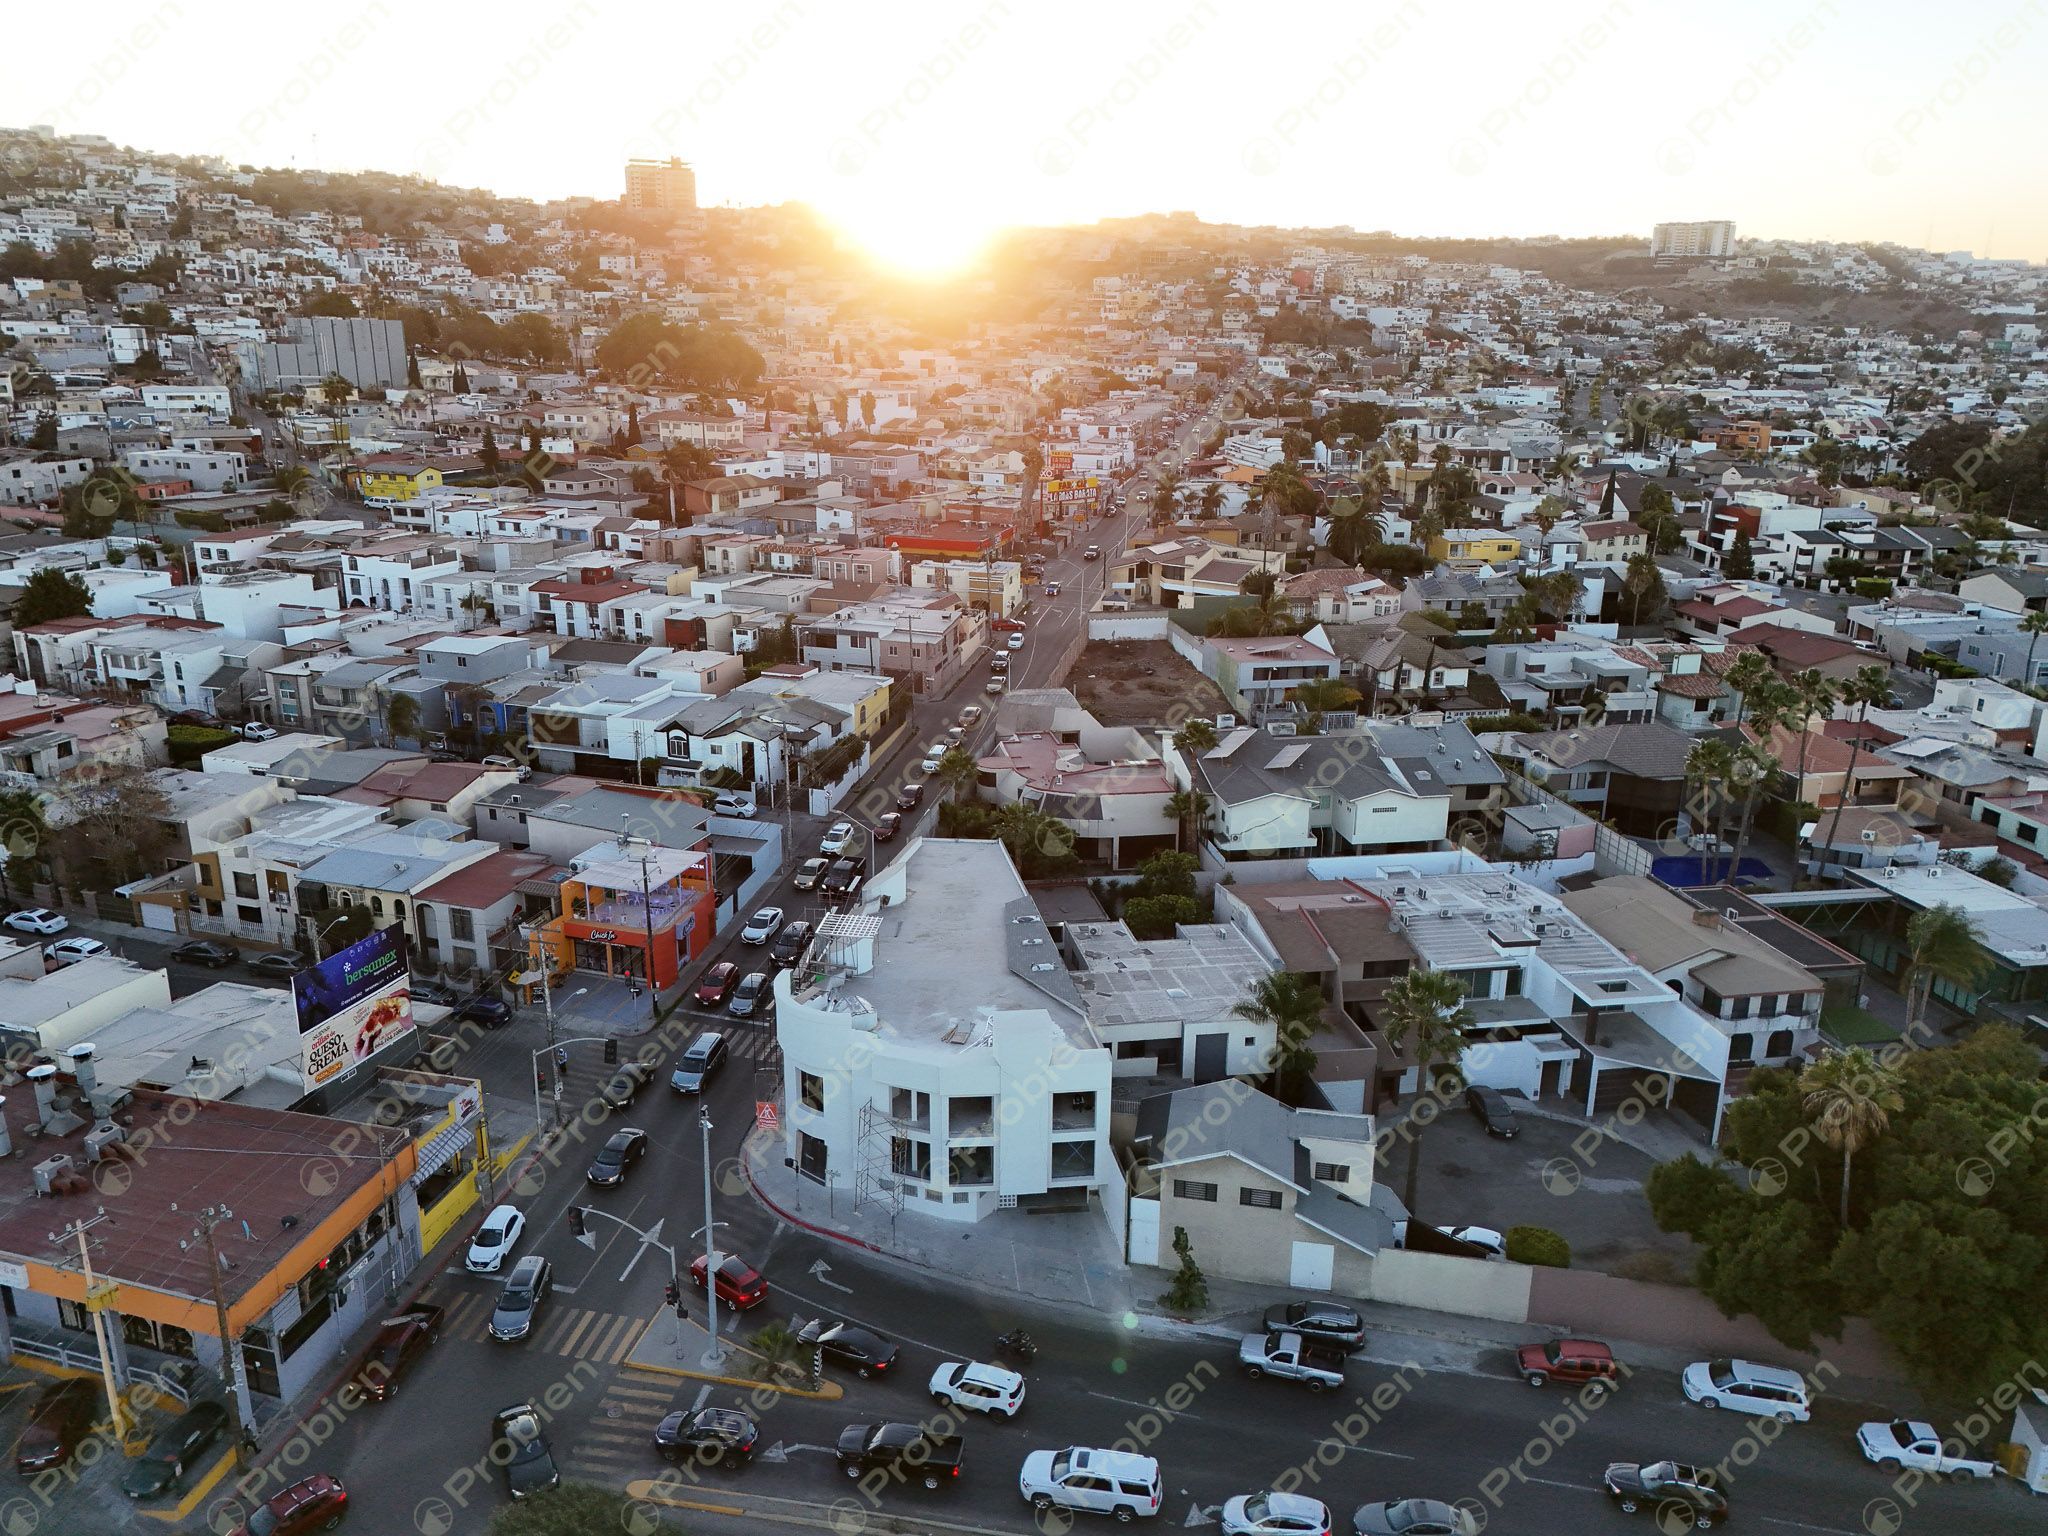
[[813, 1228], [822, 1396]]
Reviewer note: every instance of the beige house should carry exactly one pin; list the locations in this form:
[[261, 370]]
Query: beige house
[[1267, 1194]]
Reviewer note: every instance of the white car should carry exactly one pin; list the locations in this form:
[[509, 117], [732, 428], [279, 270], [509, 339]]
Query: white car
[[1120, 1483], [995, 685], [1495, 1245], [970, 714], [1275, 1514], [1747, 1387], [256, 730], [37, 920], [762, 926], [733, 805], [837, 839], [71, 951], [984, 1388], [1016, 642], [930, 765], [495, 1239]]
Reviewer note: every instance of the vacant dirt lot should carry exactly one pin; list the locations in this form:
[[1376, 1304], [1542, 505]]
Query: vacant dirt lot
[[1141, 682]]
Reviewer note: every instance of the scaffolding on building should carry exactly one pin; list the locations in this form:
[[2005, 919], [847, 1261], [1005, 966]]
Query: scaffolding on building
[[875, 1166]]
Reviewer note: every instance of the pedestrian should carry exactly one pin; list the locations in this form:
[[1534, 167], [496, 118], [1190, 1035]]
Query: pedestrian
[[561, 1058]]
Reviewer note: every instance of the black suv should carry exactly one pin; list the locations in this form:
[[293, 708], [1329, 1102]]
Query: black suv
[[722, 1437], [1323, 1321], [844, 877], [617, 1157], [788, 947], [204, 952]]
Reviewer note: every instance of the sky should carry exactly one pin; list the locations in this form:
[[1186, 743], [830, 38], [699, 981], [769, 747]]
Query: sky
[[921, 128]]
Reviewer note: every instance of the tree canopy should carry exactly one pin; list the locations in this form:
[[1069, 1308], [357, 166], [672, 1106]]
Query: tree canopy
[[648, 348], [51, 594]]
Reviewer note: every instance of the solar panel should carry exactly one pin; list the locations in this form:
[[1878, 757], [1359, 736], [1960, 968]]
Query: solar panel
[[1287, 757]]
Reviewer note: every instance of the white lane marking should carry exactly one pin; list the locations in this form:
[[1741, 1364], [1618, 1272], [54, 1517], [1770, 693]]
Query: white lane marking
[[1131, 1402]]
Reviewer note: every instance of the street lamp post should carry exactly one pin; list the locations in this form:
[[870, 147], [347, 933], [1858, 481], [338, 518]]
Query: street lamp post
[[547, 1004], [95, 1302], [714, 1353]]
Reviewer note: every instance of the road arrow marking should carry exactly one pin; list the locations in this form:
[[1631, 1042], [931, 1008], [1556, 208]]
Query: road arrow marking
[[1201, 1514], [820, 1269], [647, 1240]]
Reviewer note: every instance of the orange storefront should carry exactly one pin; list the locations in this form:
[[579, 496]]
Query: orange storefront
[[623, 908]]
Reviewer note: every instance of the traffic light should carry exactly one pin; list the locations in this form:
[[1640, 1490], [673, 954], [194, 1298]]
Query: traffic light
[[611, 1053], [672, 1294], [577, 1226]]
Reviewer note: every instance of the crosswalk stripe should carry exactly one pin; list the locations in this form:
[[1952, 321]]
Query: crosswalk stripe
[[600, 1336], [631, 1389], [460, 1313], [567, 1344], [552, 1334], [627, 1341], [612, 1350]]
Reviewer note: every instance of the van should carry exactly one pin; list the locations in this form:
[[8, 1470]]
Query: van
[[1766, 1391], [704, 1057], [519, 1305], [1119, 1483]]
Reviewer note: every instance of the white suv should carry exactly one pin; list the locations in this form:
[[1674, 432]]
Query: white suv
[[1116, 1483], [1746, 1387], [985, 1388]]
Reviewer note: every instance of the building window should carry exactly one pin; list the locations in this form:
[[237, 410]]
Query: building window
[[1333, 1173], [245, 886], [812, 1088], [1192, 1189], [461, 924], [1263, 1199], [911, 1159]]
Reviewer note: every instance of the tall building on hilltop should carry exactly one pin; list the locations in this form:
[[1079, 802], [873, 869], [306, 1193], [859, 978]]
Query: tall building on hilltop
[[1704, 241], [665, 185]]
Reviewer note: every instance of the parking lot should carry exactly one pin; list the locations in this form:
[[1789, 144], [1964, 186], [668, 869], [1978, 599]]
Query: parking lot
[[1472, 1179]]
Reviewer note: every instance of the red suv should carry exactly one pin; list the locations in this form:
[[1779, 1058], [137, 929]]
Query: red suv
[[59, 1419], [1568, 1360], [740, 1285], [716, 984], [317, 1504]]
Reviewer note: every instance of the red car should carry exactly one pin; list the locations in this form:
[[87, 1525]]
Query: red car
[[740, 1285], [317, 1504], [1568, 1360], [59, 1419], [716, 984]]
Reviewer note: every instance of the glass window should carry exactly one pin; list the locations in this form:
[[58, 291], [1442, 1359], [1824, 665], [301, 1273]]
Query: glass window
[[812, 1087], [1193, 1189], [1263, 1199]]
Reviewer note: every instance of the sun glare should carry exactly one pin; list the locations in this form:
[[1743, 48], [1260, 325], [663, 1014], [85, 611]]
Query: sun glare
[[917, 242]]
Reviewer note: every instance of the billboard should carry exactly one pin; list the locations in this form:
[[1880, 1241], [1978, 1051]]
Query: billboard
[[351, 1005]]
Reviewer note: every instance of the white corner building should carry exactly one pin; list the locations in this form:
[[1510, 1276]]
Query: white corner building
[[936, 1054]]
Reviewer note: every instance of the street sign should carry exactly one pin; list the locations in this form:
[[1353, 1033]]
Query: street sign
[[765, 1115]]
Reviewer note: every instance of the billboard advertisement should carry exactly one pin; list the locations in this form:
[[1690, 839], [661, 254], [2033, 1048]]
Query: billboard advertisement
[[351, 1005]]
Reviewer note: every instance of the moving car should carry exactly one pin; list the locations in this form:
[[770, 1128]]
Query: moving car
[[762, 926], [281, 964], [837, 839], [860, 1351], [616, 1158], [1324, 1321], [983, 1388], [1052, 589], [844, 878], [887, 825], [174, 1450], [37, 920], [930, 765], [59, 1419], [1092, 552], [1016, 642], [205, 952], [624, 1085], [716, 984], [495, 1240], [810, 872], [528, 1461], [903, 1450], [1120, 1483], [1412, 1517], [313, 1504], [995, 685], [910, 795], [256, 730], [740, 1285], [704, 1057], [1747, 1387], [1669, 1488], [970, 715], [401, 1339], [711, 1437], [751, 996], [1491, 1109], [491, 1012], [1275, 1514], [1292, 1358], [519, 1304], [790, 944], [71, 951], [1572, 1361]]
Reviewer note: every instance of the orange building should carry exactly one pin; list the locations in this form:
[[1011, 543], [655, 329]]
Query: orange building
[[625, 903]]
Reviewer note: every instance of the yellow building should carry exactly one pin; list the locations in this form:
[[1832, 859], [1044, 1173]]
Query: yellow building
[[399, 481], [1479, 546]]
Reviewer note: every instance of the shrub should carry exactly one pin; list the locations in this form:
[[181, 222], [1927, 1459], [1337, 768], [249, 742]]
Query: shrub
[[1538, 1245], [1873, 586], [188, 743]]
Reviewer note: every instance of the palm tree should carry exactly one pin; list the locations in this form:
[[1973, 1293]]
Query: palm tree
[[1563, 466], [957, 772], [1851, 1096], [2034, 624], [1189, 809], [778, 1352], [1871, 685], [1751, 672], [1812, 694], [1291, 1005], [1752, 768], [1321, 695], [1707, 769], [1195, 737], [1424, 1014], [1943, 943]]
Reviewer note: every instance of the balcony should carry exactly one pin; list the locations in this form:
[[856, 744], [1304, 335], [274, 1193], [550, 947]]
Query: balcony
[[972, 1118]]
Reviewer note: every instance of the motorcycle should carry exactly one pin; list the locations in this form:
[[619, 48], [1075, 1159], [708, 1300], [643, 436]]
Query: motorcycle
[[1017, 1342]]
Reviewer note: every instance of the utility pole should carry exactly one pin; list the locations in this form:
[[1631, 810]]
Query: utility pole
[[714, 1352], [547, 1006], [96, 1299], [232, 1370], [647, 912]]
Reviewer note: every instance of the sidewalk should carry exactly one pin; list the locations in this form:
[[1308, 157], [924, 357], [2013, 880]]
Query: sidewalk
[[1067, 1258]]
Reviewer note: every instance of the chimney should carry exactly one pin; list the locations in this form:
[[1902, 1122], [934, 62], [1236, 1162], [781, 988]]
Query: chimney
[[1705, 917], [44, 1080], [82, 1068]]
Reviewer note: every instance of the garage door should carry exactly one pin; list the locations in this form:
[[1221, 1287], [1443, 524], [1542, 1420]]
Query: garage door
[[1312, 1266]]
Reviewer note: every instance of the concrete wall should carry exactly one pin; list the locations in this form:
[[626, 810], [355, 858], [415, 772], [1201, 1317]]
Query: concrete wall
[[1442, 1283], [1128, 626]]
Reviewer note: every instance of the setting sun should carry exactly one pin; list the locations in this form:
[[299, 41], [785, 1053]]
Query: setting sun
[[920, 242]]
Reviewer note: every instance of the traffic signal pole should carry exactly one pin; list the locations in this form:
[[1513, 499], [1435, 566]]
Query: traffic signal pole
[[672, 1293]]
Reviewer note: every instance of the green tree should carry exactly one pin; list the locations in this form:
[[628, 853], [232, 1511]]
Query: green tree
[[779, 1355], [402, 716], [335, 390], [1190, 1290], [1159, 917], [51, 594], [1195, 737], [577, 1509], [1869, 685], [957, 772], [1189, 809], [1851, 1096], [1424, 1015], [492, 460], [1943, 943], [1739, 564], [1291, 1005]]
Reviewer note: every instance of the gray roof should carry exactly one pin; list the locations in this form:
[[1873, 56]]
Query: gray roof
[[613, 808], [1377, 757], [1651, 750]]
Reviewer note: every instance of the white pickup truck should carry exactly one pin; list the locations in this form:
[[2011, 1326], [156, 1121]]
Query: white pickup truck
[[1906, 1444], [1288, 1355]]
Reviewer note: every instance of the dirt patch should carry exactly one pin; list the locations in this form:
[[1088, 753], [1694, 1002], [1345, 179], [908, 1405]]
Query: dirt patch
[[1142, 683]]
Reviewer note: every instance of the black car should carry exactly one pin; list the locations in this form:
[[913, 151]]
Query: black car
[[174, 1451], [1323, 1321], [843, 878], [282, 964], [205, 952], [789, 944], [855, 1348], [624, 1085], [1668, 1489], [908, 796], [490, 1012], [722, 1437], [1490, 1107], [521, 1447], [617, 1156]]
